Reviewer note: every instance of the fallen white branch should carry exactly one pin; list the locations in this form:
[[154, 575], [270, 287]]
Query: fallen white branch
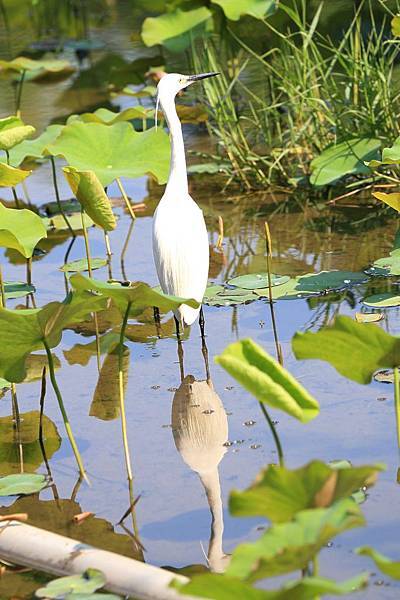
[[55, 554]]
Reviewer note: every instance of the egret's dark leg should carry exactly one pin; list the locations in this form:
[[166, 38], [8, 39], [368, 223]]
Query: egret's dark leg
[[157, 320], [204, 348], [180, 349]]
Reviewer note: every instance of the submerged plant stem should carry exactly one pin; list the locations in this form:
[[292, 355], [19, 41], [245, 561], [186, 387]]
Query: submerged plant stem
[[63, 411], [57, 193], [126, 199], [397, 401], [274, 434], [96, 323], [122, 393]]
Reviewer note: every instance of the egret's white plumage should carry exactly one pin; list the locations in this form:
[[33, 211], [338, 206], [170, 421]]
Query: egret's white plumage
[[180, 240]]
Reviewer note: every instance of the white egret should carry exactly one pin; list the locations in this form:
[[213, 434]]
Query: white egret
[[180, 240]]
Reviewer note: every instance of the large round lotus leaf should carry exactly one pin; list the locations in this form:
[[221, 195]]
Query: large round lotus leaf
[[113, 151], [254, 8], [34, 148], [23, 483], [10, 176], [256, 281], [87, 188], [173, 24], [108, 117], [13, 131], [345, 158], [385, 300], [330, 280], [21, 230]]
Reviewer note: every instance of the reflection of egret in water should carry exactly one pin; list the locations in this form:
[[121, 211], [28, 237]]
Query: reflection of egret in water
[[200, 429]]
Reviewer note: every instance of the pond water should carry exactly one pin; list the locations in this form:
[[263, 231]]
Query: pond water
[[172, 517]]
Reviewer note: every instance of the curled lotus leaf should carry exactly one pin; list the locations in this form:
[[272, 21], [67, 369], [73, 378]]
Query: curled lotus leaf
[[11, 176], [87, 188], [20, 230], [13, 131]]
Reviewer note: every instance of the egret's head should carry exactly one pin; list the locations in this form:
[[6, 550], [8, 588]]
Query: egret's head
[[172, 83]]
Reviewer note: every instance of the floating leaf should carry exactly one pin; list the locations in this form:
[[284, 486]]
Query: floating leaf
[[384, 564], [255, 281], [385, 300], [113, 151], [389, 265], [287, 547], [23, 331], [254, 8], [17, 289], [20, 230], [10, 176], [211, 292], [345, 158], [369, 317], [140, 295], [23, 483], [222, 587], [89, 191], [279, 493], [13, 131], [90, 581], [58, 223], [355, 350], [76, 266], [267, 380], [173, 24]]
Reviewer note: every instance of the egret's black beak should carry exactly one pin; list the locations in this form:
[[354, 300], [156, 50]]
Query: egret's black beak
[[201, 76]]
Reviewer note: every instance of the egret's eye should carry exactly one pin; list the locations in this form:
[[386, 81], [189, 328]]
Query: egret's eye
[[182, 81]]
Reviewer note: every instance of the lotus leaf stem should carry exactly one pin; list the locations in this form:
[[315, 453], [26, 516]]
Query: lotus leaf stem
[[122, 394], [63, 411], [14, 193], [57, 193], [397, 401], [2, 291], [125, 248], [125, 197], [274, 435], [89, 264]]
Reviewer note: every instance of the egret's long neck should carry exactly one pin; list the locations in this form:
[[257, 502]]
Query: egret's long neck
[[177, 179]]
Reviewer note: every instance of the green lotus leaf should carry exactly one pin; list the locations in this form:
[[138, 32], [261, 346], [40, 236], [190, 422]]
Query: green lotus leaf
[[144, 92], [210, 168], [256, 281], [87, 188], [390, 156], [345, 158], [279, 493], [212, 292], [23, 483], [389, 265], [108, 117], [140, 295], [173, 24], [76, 266], [17, 289], [13, 131], [20, 230], [254, 8], [10, 176], [113, 151], [384, 300], [23, 331], [287, 547], [58, 223], [384, 564], [34, 148], [10, 459], [23, 63], [222, 587], [355, 350], [88, 582], [267, 380]]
